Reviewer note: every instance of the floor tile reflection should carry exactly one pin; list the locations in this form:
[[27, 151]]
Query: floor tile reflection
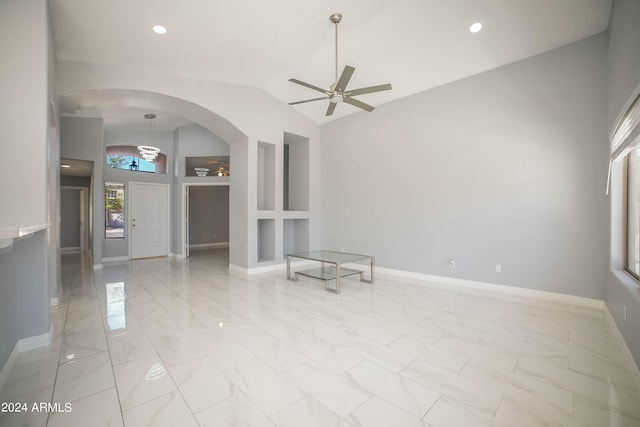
[[186, 342]]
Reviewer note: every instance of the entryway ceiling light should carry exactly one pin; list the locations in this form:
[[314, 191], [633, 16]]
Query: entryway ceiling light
[[149, 152]]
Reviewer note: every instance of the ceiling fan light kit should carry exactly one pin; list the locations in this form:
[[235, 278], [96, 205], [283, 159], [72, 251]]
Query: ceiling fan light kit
[[337, 92]]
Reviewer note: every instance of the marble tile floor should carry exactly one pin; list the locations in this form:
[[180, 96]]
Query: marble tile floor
[[168, 342]]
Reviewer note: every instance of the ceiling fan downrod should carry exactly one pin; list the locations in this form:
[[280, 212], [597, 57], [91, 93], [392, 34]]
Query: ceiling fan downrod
[[336, 18]]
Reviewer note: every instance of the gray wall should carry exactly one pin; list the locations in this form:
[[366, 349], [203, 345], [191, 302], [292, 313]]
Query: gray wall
[[75, 181], [208, 214], [24, 296], [69, 218], [28, 149], [624, 78], [507, 167], [81, 139], [53, 175]]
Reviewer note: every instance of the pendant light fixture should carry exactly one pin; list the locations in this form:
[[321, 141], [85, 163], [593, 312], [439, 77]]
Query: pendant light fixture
[[149, 152]]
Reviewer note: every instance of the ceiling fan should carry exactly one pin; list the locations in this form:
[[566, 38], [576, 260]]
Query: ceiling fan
[[338, 92]]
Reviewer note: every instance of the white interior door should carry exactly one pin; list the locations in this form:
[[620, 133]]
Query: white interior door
[[149, 224]]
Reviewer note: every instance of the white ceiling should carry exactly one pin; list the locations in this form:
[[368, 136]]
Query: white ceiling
[[75, 167], [412, 44]]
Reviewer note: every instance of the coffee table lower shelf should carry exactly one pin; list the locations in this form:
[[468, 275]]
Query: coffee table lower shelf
[[331, 267], [328, 273]]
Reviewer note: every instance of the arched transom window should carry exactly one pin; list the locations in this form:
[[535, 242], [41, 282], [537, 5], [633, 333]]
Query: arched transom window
[[128, 157]]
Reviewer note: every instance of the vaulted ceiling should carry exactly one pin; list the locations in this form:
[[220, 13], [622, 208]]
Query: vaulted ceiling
[[413, 44]]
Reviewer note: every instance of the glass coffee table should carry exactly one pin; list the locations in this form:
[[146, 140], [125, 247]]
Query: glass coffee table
[[334, 270]]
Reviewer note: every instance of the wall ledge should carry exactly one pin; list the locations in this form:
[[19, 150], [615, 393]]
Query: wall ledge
[[11, 234]]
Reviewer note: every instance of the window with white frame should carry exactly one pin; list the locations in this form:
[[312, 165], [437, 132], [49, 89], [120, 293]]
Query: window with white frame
[[625, 146], [633, 212]]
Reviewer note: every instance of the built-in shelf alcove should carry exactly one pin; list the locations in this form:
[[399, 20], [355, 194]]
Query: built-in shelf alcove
[[295, 192], [295, 236], [266, 240], [266, 176]]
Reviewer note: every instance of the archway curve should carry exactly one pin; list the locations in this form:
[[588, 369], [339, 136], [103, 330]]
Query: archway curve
[[87, 99], [92, 98]]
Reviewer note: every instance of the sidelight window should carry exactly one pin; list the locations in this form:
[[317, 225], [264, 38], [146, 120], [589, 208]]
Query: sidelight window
[[114, 211]]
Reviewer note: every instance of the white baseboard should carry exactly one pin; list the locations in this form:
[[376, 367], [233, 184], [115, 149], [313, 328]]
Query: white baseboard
[[280, 266], [626, 353], [115, 259], [37, 341], [237, 269], [70, 250], [447, 282], [444, 283], [23, 345], [255, 270], [97, 266], [196, 246], [55, 301], [266, 268]]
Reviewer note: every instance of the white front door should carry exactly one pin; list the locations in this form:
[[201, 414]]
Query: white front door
[[149, 224]]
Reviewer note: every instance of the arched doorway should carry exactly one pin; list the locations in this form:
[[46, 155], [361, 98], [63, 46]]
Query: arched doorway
[[89, 102]]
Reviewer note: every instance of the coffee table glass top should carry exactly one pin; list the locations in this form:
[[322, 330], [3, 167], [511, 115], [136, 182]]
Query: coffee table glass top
[[329, 256]]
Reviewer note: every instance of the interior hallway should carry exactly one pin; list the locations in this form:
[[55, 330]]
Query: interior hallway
[[174, 342]]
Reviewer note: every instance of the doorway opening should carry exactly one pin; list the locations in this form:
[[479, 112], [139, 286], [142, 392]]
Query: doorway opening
[[206, 219], [75, 212], [73, 220]]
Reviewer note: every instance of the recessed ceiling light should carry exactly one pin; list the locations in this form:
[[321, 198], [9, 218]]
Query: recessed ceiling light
[[159, 29], [474, 28], [65, 166]]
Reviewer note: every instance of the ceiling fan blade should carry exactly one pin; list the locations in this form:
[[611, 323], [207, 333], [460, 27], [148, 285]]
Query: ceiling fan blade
[[332, 106], [358, 104], [310, 86], [369, 89], [343, 81], [307, 100]]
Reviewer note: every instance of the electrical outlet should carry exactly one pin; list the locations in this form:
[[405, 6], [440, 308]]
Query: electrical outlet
[[624, 310], [498, 268], [452, 263]]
